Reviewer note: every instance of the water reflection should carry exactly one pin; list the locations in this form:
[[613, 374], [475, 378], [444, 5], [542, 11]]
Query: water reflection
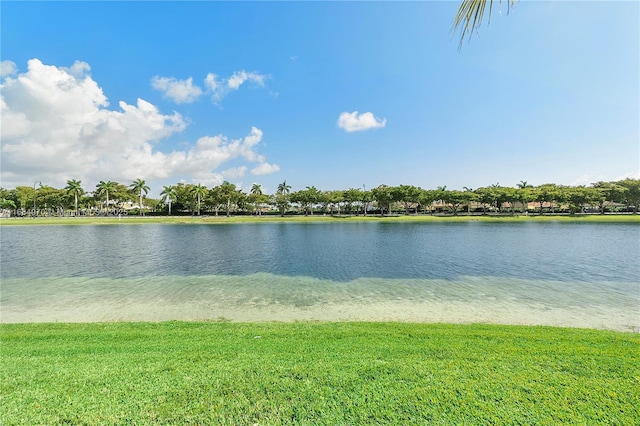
[[573, 252]]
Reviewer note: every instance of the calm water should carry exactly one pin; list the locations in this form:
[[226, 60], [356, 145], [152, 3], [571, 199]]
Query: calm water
[[544, 273]]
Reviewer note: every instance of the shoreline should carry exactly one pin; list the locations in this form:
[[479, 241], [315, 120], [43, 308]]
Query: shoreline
[[400, 314], [302, 323], [221, 220]]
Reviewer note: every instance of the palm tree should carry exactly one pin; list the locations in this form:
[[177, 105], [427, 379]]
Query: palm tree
[[169, 193], [523, 194], [104, 188], [283, 188], [442, 193], [282, 197], [469, 16], [256, 188], [470, 196], [199, 191], [256, 192], [75, 187], [139, 186]]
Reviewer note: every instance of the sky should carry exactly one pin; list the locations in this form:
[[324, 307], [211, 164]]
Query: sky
[[334, 95]]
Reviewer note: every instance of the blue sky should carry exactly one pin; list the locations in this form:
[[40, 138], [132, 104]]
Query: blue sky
[[254, 93]]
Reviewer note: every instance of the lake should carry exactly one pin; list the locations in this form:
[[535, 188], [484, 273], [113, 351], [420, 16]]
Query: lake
[[566, 274]]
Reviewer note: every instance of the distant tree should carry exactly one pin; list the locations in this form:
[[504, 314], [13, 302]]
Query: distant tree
[[6, 204], [103, 188], [485, 197], [454, 199], [229, 194], [367, 198], [441, 192], [242, 200], [406, 194], [169, 195], [547, 193], [256, 188], [384, 197], [214, 199], [351, 196], [307, 198], [333, 200], [578, 197], [509, 195], [53, 200], [282, 197], [498, 195], [8, 199], [138, 187], [560, 197], [24, 196], [153, 204], [199, 192], [75, 187], [9, 195], [611, 191], [428, 197], [283, 188], [468, 197], [257, 198], [523, 193], [185, 199], [632, 193], [322, 199]]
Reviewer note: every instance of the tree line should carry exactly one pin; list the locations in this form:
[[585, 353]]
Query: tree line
[[110, 198]]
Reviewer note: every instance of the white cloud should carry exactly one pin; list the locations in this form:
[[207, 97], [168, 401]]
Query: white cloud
[[352, 122], [79, 69], [265, 169], [219, 88], [56, 125], [213, 151], [14, 124], [7, 68], [588, 179], [585, 179], [179, 91], [211, 82], [629, 175], [234, 172], [240, 77], [184, 91]]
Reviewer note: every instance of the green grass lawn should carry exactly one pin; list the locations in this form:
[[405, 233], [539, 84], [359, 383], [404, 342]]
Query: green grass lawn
[[620, 218], [316, 373]]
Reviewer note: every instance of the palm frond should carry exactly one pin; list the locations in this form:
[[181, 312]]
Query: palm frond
[[470, 15]]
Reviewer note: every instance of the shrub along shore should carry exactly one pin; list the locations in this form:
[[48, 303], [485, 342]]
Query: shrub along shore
[[316, 373], [587, 218]]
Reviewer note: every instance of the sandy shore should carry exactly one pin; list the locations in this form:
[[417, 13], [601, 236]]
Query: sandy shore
[[402, 311], [267, 297]]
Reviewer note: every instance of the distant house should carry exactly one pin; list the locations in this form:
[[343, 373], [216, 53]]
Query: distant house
[[130, 205]]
